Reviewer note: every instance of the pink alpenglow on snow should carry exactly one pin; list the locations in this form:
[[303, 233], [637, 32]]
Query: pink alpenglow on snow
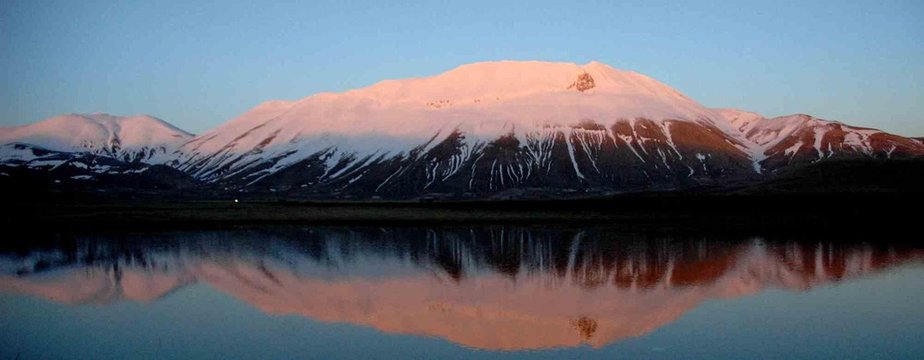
[[478, 130], [132, 138]]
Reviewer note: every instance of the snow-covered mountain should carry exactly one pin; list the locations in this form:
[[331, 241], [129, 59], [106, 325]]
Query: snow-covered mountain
[[802, 139], [493, 129], [131, 139], [481, 128], [92, 152]]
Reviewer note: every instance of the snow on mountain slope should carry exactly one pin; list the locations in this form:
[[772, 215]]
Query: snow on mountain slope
[[799, 139], [483, 99], [589, 123], [24, 167], [134, 138], [739, 119]]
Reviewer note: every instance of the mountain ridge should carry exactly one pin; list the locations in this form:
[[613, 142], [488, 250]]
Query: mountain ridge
[[137, 138]]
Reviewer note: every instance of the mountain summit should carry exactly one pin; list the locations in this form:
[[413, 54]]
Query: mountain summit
[[480, 127], [492, 129], [128, 138]]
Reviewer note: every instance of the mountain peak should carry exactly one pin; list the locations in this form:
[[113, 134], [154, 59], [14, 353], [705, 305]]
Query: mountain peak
[[509, 79], [101, 133]]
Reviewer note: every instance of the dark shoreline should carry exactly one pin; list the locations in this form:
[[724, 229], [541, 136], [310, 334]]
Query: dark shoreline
[[853, 213]]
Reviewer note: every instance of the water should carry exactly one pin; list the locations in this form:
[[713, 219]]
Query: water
[[463, 292]]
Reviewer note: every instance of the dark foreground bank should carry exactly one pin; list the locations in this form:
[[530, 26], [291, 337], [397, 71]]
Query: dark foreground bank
[[860, 213]]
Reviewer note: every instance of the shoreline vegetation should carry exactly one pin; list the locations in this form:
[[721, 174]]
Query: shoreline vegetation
[[869, 214], [861, 199]]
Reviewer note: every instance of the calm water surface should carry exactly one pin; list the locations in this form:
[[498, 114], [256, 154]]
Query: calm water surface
[[465, 292]]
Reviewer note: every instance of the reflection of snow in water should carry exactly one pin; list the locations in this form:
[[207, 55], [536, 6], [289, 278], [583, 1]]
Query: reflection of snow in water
[[493, 288]]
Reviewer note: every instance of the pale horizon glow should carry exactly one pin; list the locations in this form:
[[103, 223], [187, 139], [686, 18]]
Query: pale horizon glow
[[197, 65]]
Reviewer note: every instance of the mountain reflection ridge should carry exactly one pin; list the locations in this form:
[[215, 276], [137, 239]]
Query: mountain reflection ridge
[[497, 288]]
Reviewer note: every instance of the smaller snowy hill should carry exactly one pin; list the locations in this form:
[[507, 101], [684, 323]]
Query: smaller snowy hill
[[139, 138], [803, 139]]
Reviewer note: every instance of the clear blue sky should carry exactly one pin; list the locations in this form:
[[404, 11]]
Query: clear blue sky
[[199, 63]]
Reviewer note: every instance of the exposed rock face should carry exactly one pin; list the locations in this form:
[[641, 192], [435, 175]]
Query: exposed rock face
[[628, 155], [584, 82], [26, 167]]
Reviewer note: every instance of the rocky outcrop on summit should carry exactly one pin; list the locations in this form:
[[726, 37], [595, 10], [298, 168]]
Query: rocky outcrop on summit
[[584, 82]]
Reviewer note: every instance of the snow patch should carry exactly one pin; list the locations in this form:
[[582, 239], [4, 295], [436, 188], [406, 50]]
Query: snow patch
[[792, 150]]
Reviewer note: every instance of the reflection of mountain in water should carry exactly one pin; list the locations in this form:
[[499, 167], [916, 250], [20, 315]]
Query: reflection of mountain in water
[[493, 288]]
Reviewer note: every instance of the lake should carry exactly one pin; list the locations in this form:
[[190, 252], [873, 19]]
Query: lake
[[458, 292]]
